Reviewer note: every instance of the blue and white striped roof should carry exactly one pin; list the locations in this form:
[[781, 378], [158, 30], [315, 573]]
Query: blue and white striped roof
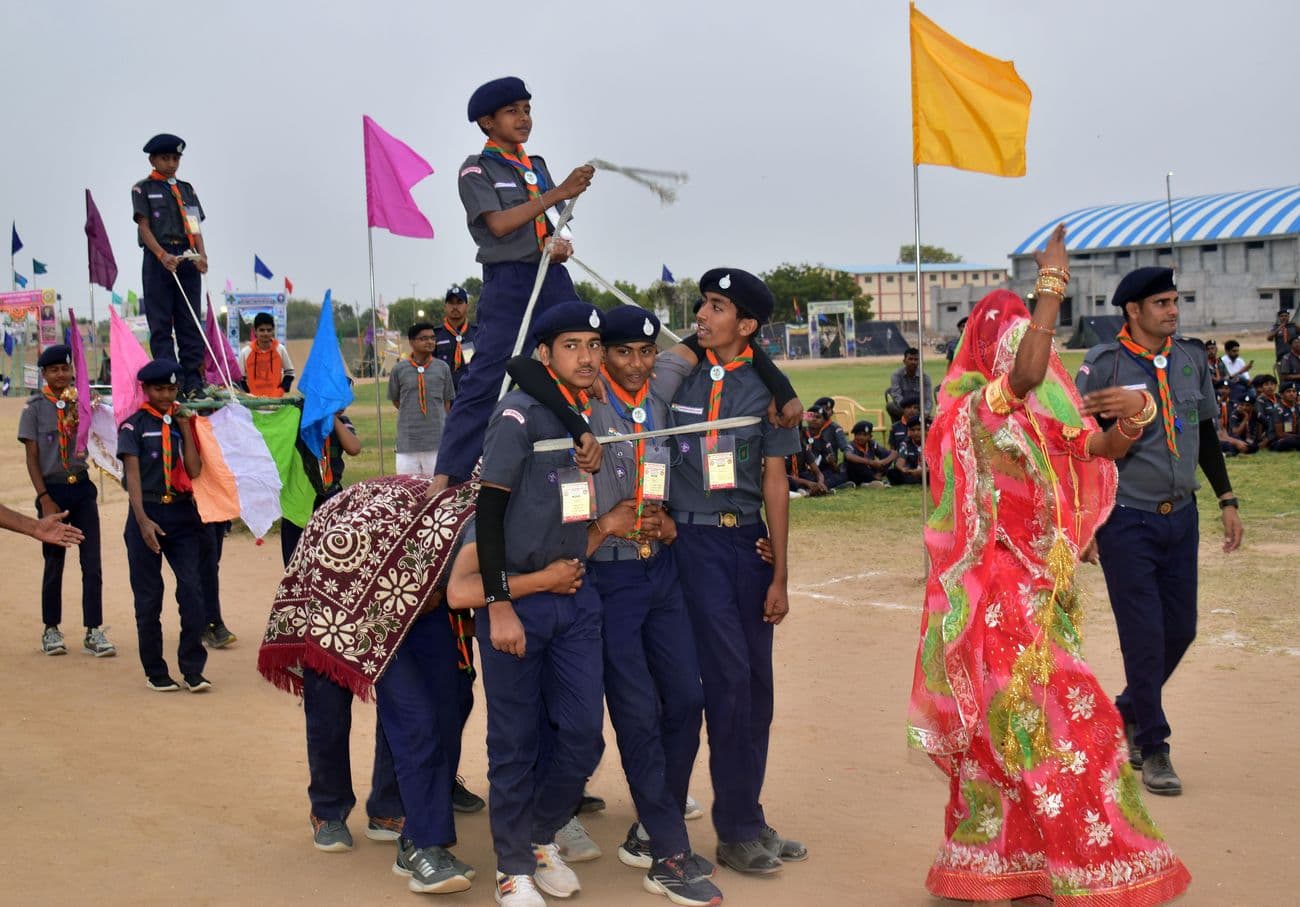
[[1201, 218]]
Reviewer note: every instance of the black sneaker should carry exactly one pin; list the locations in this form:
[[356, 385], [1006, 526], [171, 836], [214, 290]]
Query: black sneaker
[[430, 869], [161, 683], [590, 803], [197, 683], [464, 800], [786, 850], [635, 851], [218, 636], [749, 857], [671, 878]]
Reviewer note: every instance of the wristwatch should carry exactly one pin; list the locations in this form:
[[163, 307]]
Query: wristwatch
[[1229, 502]]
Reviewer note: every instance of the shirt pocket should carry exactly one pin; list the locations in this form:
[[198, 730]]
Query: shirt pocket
[[1187, 403]]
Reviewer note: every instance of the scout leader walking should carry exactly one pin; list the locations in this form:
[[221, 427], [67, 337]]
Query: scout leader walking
[[159, 458], [48, 429], [168, 215]]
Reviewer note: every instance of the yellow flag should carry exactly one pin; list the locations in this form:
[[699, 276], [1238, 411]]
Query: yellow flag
[[969, 110]]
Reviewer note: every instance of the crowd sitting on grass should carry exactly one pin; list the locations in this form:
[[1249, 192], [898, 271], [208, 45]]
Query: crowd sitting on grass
[[1259, 417], [828, 461]]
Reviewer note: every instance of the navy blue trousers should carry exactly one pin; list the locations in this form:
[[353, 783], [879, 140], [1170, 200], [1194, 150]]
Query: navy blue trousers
[[80, 500], [652, 687], [560, 677], [212, 539], [420, 715], [164, 309], [500, 310], [1150, 566], [327, 707], [180, 520], [726, 582]]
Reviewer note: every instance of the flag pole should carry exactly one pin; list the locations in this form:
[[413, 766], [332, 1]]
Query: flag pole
[[926, 409], [94, 347], [374, 344]]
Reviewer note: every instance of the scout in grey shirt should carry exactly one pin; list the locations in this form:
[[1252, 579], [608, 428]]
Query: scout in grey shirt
[[421, 388]]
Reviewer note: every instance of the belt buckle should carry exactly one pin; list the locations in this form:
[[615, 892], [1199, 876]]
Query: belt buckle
[[644, 551], [72, 480], [727, 520], [167, 499], [1164, 508]]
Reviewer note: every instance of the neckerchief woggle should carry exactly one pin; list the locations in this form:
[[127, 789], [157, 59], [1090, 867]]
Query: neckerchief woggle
[[629, 407], [1158, 363], [180, 203], [520, 161]]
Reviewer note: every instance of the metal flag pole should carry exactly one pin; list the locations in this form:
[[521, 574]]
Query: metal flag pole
[[920, 346], [1169, 209], [94, 332], [374, 345]]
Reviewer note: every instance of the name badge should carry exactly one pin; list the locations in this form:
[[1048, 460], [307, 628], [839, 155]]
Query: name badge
[[577, 496], [654, 475], [719, 464], [192, 219], [466, 351]]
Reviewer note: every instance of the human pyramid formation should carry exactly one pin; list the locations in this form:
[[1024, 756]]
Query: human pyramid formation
[[622, 541]]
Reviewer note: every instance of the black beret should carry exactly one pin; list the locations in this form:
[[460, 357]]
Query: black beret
[[490, 97], [574, 316], [863, 426], [165, 143], [1248, 397], [159, 371], [457, 293], [1142, 283], [629, 324], [913, 421], [747, 292], [824, 401], [59, 354], [1289, 386]]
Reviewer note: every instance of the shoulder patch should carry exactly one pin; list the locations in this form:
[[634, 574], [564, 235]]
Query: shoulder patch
[[129, 425], [514, 414], [1085, 369], [472, 168]]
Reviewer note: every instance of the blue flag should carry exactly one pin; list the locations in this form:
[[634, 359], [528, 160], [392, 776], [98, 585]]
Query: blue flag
[[667, 276], [38, 267], [117, 301], [260, 268], [324, 383], [20, 280], [17, 243], [9, 344]]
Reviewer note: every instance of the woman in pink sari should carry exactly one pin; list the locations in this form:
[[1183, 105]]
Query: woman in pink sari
[[1043, 802]]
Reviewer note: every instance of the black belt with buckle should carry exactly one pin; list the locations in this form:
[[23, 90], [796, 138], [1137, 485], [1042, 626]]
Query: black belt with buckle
[[638, 551], [73, 478], [725, 520], [173, 498]]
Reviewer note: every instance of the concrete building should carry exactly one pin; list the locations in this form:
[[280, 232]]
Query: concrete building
[[893, 287], [1236, 255]]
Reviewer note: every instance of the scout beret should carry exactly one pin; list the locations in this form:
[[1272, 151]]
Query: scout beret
[[159, 371], [747, 292], [490, 97], [1142, 283], [457, 293], [165, 143], [824, 401], [913, 421], [863, 426], [59, 354], [572, 316], [1289, 386], [629, 324], [1248, 397]]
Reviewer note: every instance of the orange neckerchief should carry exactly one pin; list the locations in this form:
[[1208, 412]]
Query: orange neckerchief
[[457, 336], [633, 402], [166, 420], [265, 370], [67, 417], [180, 203], [581, 404], [326, 468], [1162, 381], [746, 357], [522, 162], [419, 374]]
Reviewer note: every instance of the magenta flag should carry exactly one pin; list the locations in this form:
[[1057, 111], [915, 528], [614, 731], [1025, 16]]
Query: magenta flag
[[128, 358], [392, 168], [228, 361], [103, 267], [83, 382]]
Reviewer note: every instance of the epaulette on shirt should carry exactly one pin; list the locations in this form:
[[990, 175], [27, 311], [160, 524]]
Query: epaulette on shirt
[[1195, 343]]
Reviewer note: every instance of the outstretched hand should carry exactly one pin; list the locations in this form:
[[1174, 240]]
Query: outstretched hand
[[1053, 255]]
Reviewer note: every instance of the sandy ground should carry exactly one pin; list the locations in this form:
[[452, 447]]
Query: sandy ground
[[124, 796]]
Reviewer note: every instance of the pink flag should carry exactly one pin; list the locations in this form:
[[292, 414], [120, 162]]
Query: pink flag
[[229, 287], [227, 361], [128, 358], [84, 413], [392, 168]]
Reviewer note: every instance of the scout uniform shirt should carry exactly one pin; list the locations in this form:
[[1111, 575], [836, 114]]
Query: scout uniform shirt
[[536, 535], [445, 348], [828, 447], [743, 394], [418, 431], [40, 423], [141, 437], [1151, 478], [488, 183], [153, 200]]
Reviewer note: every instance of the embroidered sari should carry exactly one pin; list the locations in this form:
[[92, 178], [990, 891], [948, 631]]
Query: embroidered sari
[[1042, 799]]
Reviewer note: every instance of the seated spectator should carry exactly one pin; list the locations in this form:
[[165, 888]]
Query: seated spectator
[[866, 462], [1284, 425], [802, 474], [910, 465], [907, 382], [1266, 401], [1246, 427], [1229, 445], [1235, 368], [1288, 367], [827, 445], [898, 431], [1217, 373]]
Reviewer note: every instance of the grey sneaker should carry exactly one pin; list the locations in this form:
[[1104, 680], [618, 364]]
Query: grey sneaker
[[786, 850], [749, 857], [671, 877], [52, 642], [635, 851], [330, 835], [430, 869], [575, 844], [97, 644]]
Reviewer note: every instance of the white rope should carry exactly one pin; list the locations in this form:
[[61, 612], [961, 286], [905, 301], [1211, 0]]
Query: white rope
[[202, 333], [551, 444]]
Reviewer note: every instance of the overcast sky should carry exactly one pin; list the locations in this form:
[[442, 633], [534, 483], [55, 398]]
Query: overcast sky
[[793, 121]]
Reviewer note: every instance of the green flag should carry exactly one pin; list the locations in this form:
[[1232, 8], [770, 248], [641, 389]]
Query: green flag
[[279, 428], [132, 304], [38, 267]]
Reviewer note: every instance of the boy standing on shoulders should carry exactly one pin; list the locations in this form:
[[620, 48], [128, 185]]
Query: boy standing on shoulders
[[720, 484], [507, 196], [267, 368], [48, 429], [159, 458], [421, 388]]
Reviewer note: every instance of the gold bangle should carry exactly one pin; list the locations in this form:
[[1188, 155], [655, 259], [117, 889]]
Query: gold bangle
[[1146, 415], [1119, 427], [1049, 284], [1042, 328], [998, 395], [1063, 273]]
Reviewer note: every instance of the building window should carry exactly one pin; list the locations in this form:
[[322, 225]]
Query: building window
[[1067, 311], [1254, 245], [1189, 299], [950, 308], [1265, 297], [911, 278], [1123, 254], [933, 278], [1214, 248], [889, 278]]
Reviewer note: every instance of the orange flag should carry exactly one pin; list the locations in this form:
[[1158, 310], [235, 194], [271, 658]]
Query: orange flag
[[969, 110], [215, 492]]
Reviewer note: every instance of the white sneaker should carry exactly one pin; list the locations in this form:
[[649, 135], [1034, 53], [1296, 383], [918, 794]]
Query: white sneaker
[[517, 891], [693, 808], [574, 844], [52, 642], [553, 875]]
